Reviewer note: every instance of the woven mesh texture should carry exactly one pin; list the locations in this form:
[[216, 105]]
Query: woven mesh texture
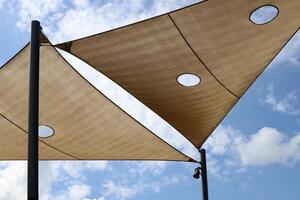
[[213, 39], [87, 125]]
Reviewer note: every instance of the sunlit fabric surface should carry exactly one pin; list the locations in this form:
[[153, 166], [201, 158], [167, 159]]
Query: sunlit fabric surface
[[214, 40], [87, 125]]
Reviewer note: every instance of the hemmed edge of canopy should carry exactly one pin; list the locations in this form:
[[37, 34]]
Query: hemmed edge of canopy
[[150, 132]]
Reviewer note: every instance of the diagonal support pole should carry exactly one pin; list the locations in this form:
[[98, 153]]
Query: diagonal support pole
[[33, 115]]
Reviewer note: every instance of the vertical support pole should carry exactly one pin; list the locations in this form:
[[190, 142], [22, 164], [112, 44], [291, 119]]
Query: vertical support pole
[[33, 115], [204, 174]]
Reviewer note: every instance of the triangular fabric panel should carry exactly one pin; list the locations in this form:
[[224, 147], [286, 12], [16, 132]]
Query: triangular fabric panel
[[87, 125], [213, 39]]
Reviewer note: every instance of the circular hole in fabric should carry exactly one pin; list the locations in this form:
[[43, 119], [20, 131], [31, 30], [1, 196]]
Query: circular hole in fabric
[[264, 14], [188, 80], [45, 131]]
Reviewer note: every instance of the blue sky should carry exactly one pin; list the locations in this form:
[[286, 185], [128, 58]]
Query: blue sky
[[254, 153]]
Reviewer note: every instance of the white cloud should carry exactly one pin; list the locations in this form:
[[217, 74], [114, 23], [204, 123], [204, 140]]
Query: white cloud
[[119, 191], [28, 10], [172, 179], [231, 151], [221, 141], [153, 167], [64, 20], [77, 168], [287, 105], [72, 174], [81, 3], [75, 192], [48, 173], [13, 180], [128, 190], [269, 146], [222, 157]]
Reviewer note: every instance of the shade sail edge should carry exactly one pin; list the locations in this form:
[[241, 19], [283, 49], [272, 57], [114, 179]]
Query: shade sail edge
[[279, 51], [189, 159], [63, 46], [19, 127], [25, 134], [8, 65], [282, 35]]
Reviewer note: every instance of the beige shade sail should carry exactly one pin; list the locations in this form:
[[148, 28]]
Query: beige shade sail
[[214, 40], [87, 125]]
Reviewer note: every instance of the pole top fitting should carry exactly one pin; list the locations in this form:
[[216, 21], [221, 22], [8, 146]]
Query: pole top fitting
[[36, 23]]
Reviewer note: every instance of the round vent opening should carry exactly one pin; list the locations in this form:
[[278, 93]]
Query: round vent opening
[[264, 14], [188, 80], [45, 131]]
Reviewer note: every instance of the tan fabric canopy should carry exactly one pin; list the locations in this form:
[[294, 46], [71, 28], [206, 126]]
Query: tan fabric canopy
[[87, 125], [213, 39]]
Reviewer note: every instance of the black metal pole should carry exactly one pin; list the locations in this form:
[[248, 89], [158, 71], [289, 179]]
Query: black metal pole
[[204, 174], [33, 115]]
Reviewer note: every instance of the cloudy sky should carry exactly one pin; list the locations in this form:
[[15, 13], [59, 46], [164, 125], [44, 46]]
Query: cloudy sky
[[253, 154]]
